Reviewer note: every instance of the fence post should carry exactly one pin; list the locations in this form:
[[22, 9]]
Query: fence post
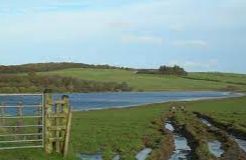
[[67, 136], [57, 131], [67, 122], [48, 103], [57, 124]]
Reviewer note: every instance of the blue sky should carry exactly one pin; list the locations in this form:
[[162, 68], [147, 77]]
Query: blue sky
[[196, 34]]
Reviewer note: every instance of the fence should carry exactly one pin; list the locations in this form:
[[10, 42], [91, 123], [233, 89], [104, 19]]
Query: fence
[[34, 121]]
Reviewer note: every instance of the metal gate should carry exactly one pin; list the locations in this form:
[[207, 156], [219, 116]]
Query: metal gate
[[21, 121]]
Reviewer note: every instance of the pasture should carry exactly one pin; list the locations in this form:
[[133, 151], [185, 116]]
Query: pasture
[[153, 82], [126, 131]]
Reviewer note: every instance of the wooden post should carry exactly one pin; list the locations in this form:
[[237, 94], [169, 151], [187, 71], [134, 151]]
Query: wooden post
[[67, 137], [66, 111], [48, 103], [57, 124], [57, 132]]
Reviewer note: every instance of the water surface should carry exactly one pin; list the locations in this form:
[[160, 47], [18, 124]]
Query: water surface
[[92, 101], [215, 147], [90, 157], [182, 149], [143, 154], [239, 141]]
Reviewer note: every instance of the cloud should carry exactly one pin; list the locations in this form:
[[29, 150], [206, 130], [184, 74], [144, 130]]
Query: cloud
[[121, 24], [176, 28], [190, 44], [196, 65], [142, 39], [204, 64]]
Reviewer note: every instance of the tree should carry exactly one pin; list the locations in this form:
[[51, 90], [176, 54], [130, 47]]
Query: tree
[[175, 70]]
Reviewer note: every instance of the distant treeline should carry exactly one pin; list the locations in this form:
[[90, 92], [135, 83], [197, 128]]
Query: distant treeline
[[164, 70], [43, 67], [35, 83]]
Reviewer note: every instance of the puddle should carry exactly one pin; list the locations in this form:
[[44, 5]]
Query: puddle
[[215, 148], [117, 157], [169, 126], [241, 143], [204, 121], [142, 155], [90, 157], [182, 150]]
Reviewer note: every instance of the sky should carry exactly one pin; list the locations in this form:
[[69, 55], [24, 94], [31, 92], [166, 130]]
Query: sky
[[199, 35]]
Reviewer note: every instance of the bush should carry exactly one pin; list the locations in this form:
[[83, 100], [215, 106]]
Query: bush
[[36, 83], [164, 70]]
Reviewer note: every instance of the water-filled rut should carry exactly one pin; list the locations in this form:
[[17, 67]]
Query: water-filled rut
[[241, 142], [182, 149], [232, 145]]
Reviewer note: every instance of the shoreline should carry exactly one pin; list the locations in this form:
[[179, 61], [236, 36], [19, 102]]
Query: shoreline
[[232, 95], [133, 91]]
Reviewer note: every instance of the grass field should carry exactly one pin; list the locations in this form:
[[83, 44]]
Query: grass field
[[147, 82], [126, 131], [220, 77]]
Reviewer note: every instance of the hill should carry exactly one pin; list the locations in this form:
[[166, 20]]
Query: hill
[[52, 66], [80, 77], [152, 82]]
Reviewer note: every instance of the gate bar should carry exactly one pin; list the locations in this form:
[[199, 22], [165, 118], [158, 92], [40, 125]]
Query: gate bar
[[20, 141], [20, 94], [29, 142], [25, 106], [15, 117], [25, 126], [21, 147], [27, 134]]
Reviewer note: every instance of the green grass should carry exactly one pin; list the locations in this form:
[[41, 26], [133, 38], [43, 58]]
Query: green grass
[[223, 77], [116, 131], [226, 111], [147, 82], [126, 131], [111, 131]]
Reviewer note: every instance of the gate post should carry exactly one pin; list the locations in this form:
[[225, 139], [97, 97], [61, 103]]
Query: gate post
[[67, 122], [48, 103], [57, 126]]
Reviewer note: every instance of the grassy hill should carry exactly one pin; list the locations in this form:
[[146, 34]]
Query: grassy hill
[[150, 82], [77, 77], [231, 78], [51, 66]]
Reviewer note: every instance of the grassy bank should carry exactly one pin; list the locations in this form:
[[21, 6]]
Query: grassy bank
[[150, 82], [126, 131]]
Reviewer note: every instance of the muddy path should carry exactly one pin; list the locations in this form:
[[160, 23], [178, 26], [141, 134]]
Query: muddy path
[[188, 136], [209, 142], [233, 146], [173, 145], [182, 149], [196, 134], [223, 126], [165, 146]]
